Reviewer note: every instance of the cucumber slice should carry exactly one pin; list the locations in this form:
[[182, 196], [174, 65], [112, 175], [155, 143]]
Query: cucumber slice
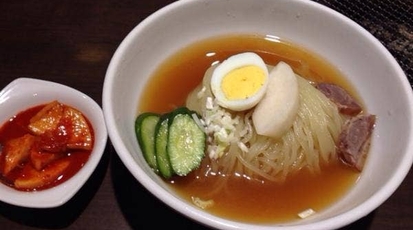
[[186, 142], [145, 133], [161, 141]]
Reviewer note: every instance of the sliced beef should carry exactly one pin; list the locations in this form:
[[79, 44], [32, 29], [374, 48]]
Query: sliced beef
[[344, 101], [354, 140]]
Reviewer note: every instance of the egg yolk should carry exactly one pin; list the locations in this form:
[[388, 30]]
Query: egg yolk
[[243, 82]]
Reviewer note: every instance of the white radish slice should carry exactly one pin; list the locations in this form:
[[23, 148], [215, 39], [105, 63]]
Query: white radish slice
[[277, 110]]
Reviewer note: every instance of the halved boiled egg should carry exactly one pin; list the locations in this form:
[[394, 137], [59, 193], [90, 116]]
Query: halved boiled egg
[[240, 81]]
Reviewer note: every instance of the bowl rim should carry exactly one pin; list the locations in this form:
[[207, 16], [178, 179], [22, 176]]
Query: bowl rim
[[336, 221]]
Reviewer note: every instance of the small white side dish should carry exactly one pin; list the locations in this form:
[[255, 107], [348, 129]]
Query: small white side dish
[[24, 93]]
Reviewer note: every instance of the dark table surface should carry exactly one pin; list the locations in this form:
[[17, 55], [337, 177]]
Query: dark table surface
[[72, 42]]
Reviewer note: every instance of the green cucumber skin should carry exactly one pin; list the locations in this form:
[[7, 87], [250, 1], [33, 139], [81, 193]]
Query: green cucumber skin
[[161, 141], [169, 153], [186, 142], [145, 133]]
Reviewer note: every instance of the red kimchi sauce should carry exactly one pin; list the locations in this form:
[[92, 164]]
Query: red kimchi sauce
[[16, 127]]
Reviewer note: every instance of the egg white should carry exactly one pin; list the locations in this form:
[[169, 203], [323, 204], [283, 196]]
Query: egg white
[[234, 62]]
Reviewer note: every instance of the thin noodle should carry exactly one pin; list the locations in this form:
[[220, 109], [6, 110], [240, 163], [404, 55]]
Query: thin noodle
[[309, 143]]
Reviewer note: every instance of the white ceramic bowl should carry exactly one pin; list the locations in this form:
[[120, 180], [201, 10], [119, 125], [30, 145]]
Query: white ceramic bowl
[[369, 67], [24, 93]]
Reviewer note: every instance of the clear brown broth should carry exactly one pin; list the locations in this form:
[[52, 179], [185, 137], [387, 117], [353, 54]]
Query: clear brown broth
[[247, 200]]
